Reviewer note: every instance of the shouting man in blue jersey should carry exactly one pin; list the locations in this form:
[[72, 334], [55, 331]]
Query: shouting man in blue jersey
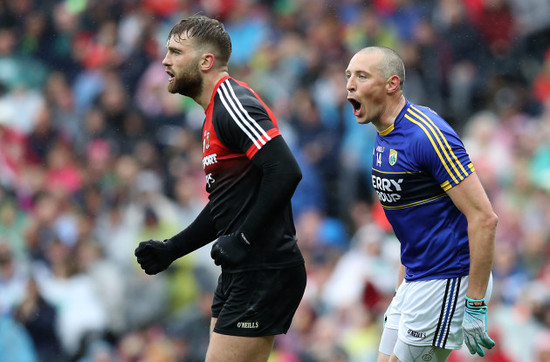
[[439, 211]]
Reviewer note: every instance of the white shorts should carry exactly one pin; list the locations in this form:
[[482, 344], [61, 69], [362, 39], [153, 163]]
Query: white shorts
[[430, 312]]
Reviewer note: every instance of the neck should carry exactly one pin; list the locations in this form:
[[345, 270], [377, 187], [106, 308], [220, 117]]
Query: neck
[[387, 119], [209, 83]]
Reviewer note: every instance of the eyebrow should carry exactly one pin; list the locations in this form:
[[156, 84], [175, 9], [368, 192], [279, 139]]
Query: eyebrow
[[356, 71], [174, 47]]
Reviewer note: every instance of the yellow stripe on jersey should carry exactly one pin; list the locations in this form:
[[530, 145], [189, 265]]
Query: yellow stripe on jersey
[[446, 143], [419, 124], [394, 172], [446, 185], [438, 136], [416, 203]]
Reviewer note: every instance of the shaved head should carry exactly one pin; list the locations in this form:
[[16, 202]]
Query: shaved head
[[390, 63], [375, 86]]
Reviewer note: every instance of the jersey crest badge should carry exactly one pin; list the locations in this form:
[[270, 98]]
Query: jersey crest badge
[[393, 157], [206, 141]]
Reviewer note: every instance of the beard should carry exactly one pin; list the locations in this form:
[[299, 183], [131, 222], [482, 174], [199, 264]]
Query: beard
[[188, 83]]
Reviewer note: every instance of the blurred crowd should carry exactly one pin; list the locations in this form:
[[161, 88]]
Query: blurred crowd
[[96, 155]]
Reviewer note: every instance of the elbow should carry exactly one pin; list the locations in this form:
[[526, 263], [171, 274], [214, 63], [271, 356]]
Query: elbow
[[495, 219], [297, 175], [490, 220]]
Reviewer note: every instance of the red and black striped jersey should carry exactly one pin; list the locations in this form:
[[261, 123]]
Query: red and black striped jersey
[[237, 125]]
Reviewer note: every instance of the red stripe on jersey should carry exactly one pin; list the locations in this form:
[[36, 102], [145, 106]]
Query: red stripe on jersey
[[274, 132]]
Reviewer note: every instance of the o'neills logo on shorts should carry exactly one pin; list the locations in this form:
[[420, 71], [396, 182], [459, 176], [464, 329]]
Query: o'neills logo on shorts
[[248, 325], [416, 334]]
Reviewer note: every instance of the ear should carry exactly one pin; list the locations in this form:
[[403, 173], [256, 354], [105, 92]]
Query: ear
[[393, 84], [207, 61]]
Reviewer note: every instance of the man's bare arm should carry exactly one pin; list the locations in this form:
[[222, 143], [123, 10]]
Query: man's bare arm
[[470, 198]]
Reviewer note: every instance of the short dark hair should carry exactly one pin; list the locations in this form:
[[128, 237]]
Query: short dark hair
[[205, 31]]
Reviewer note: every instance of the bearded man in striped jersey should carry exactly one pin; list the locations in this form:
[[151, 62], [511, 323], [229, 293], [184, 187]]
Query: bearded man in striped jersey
[[251, 176]]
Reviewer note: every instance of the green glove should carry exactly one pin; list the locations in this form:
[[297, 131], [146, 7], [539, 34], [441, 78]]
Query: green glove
[[475, 326]]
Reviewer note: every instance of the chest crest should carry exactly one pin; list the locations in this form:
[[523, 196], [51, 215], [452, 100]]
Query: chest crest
[[393, 157]]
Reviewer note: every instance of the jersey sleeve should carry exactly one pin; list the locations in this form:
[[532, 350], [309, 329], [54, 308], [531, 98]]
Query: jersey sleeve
[[244, 123], [441, 153]]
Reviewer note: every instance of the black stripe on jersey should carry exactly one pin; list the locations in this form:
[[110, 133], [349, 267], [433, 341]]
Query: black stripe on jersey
[[241, 117], [446, 316]]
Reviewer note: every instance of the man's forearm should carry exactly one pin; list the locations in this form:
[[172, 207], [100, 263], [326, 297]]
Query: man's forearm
[[482, 244], [199, 233]]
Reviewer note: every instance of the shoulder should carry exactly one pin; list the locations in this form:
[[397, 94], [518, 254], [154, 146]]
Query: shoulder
[[427, 125], [424, 117], [234, 93], [237, 101]]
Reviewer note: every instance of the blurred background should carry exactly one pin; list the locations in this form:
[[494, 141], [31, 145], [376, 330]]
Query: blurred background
[[96, 155]]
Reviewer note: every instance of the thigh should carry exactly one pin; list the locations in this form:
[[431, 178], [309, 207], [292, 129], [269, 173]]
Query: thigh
[[387, 344], [223, 348], [258, 303], [408, 353], [431, 312]]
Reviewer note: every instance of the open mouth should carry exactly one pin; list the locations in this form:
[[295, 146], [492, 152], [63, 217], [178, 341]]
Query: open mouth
[[171, 76], [356, 106]]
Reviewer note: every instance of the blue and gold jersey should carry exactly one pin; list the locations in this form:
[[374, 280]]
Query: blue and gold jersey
[[415, 162]]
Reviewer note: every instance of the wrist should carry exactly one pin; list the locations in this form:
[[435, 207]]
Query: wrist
[[475, 303], [174, 247]]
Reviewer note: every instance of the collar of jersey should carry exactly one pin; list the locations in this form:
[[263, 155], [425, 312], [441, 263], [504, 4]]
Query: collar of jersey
[[216, 91], [397, 119]]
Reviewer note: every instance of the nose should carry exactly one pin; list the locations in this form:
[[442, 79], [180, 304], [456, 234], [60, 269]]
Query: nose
[[166, 60], [350, 84]]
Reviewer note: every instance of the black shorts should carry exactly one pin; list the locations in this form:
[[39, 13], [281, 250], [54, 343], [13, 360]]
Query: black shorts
[[258, 302]]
